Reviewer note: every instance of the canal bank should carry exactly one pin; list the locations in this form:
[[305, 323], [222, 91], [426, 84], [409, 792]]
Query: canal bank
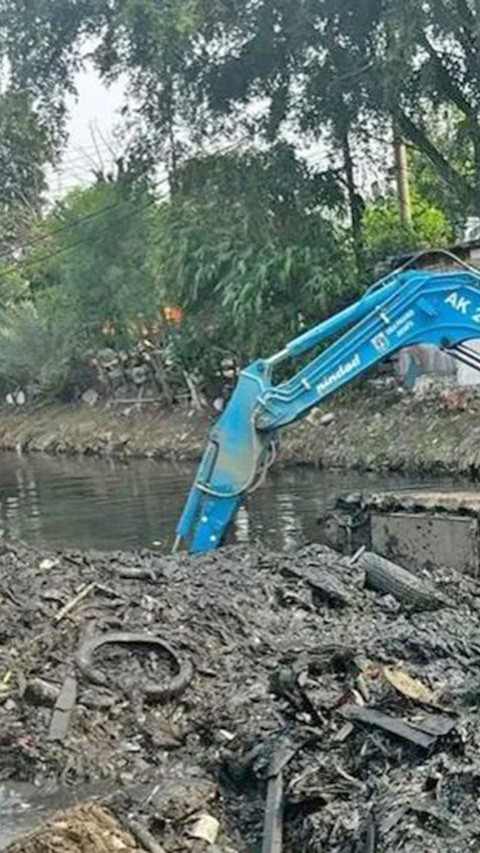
[[369, 428]]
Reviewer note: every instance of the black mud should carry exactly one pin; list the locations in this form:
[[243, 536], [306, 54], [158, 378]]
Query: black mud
[[289, 653]]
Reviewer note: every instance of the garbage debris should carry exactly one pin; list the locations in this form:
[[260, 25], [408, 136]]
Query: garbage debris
[[273, 826], [393, 725], [84, 592], [95, 828], [384, 576], [62, 711], [273, 822], [350, 723], [170, 688], [206, 828], [408, 686]]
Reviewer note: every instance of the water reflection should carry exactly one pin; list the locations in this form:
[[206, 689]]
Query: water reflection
[[106, 504]]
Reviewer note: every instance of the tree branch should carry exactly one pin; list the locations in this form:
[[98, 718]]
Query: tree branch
[[447, 83], [466, 32], [419, 138]]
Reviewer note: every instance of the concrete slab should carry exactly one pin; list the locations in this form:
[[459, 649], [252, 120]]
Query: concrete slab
[[456, 502], [417, 528], [427, 540]]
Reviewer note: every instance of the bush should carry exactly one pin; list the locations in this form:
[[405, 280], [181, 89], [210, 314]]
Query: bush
[[385, 235], [36, 352]]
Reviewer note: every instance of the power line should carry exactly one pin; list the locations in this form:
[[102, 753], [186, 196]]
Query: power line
[[95, 215], [50, 255], [74, 224], [106, 209], [86, 155], [82, 157], [88, 217]]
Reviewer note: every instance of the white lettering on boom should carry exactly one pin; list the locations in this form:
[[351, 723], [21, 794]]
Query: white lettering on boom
[[339, 374]]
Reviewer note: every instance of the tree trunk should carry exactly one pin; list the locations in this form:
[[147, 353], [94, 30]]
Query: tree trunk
[[401, 174], [356, 207], [464, 191]]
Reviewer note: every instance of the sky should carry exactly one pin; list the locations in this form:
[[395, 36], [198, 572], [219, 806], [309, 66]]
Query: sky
[[93, 116]]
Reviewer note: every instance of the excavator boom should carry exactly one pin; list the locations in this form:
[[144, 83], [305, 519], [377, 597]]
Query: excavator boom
[[441, 309]]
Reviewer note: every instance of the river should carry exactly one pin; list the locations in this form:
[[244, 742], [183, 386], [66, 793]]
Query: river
[[56, 502]]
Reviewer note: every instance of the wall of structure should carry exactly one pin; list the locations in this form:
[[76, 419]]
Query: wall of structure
[[417, 361]]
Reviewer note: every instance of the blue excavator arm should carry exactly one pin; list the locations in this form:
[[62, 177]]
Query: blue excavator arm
[[409, 308]]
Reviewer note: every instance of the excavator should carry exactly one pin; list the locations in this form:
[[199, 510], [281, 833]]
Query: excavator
[[408, 307]]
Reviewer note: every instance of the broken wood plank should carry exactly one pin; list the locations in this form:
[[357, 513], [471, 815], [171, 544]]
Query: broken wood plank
[[273, 823], [63, 709], [393, 725]]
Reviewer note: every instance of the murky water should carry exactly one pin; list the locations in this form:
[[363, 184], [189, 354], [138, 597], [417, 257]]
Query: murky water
[[91, 503]]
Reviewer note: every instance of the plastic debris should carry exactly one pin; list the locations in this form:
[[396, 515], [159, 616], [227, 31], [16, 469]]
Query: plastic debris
[[5, 682], [47, 565], [416, 734], [408, 686], [206, 828]]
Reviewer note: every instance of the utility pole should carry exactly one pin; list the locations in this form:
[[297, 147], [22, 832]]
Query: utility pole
[[401, 174]]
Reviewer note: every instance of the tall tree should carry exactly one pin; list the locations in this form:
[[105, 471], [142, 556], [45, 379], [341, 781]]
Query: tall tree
[[332, 70], [41, 46], [25, 148]]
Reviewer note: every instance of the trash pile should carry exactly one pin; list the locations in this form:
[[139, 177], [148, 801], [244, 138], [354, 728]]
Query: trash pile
[[296, 700]]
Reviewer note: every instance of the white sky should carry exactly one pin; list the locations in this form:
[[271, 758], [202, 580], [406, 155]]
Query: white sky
[[93, 116]]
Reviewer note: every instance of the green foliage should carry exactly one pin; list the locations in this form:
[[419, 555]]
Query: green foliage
[[254, 246], [245, 250], [36, 352], [324, 68], [25, 149], [89, 284], [99, 247], [41, 45], [386, 235], [447, 128]]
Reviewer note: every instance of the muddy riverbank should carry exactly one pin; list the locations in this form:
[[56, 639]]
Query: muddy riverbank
[[263, 663], [369, 428]]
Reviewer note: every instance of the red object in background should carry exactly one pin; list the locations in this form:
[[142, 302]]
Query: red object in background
[[173, 315]]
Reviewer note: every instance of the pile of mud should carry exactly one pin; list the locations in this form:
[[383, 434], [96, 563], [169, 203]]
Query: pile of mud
[[267, 667]]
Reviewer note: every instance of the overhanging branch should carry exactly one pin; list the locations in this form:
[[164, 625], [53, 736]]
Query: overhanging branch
[[419, 138]]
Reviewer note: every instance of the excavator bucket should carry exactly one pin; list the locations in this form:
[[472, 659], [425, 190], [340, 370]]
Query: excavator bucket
[[230, 466]]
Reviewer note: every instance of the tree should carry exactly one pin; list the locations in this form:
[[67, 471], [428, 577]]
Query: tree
[[344, 68], [386, 235], [41, 45], [427, 63], [24, 150], [97, 258], [335, 70], [247, 251]]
